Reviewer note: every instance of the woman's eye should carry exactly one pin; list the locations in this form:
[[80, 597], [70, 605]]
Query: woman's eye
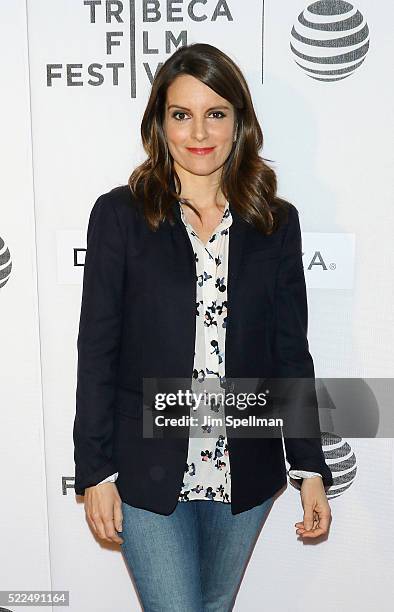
[[178, 113], [183, 113]]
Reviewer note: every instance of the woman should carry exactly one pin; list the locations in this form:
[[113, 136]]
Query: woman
[[193, 271]]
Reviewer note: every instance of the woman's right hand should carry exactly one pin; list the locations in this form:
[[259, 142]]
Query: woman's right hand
[[103, 509]]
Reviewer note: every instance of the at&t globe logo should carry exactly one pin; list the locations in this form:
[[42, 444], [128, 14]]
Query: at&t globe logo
[[5, 265], [330, 40]]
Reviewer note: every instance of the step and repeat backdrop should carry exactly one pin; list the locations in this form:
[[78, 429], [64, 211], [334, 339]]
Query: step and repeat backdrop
[[76, 76]]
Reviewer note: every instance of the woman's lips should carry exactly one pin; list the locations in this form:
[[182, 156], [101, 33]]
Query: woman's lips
[[200, 151]]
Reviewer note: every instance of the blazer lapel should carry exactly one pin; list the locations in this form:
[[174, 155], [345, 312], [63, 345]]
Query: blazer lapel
[[237, 233], [180, 225]]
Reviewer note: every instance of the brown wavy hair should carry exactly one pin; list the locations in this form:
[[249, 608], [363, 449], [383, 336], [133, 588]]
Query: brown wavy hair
[[246, 180]]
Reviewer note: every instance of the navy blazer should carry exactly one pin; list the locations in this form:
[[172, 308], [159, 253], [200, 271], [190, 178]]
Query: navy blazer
[[138, 320]]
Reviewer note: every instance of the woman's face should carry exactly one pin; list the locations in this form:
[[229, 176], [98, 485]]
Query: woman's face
[[196, 117]]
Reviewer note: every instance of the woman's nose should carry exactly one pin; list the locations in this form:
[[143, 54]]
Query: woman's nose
[[199, 129]]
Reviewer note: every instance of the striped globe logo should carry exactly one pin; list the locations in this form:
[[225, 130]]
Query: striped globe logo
[[5, 263], [341, 460], [330, 40]]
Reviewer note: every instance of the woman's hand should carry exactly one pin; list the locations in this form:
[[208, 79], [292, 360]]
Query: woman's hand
[[317, 512], [103, 511]]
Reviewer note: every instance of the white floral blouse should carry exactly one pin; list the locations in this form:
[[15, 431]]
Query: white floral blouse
[[207, 470], [207, 473]]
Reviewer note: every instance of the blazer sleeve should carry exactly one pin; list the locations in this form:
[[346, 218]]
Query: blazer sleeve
[[98, 346], [293, 362]]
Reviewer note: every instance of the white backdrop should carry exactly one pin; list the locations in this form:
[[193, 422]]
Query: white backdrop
[[75, 83]]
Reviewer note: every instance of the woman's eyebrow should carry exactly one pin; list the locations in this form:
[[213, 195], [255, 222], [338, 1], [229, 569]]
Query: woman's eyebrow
[[188, 109]]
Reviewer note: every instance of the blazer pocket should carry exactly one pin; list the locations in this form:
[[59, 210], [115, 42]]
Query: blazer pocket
[[129, 403], [130, 414]]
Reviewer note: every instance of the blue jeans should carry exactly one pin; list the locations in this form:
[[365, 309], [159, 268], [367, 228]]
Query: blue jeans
[[192, 560]]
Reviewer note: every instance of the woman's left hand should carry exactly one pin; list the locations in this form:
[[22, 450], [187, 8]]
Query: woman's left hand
[[317, 512]]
